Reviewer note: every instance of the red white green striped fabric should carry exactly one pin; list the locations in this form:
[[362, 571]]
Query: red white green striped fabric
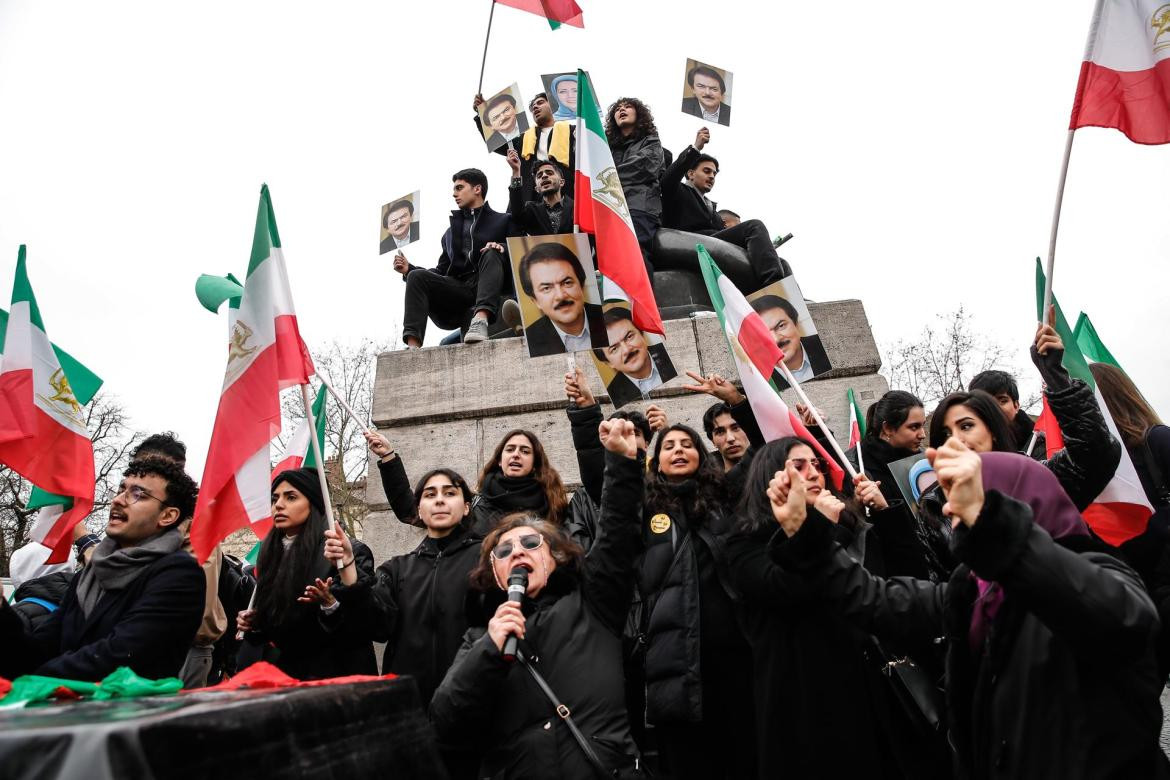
[[298, 452], [42, 430], [856, 420], [557, 12], [1125, 77], [600, 208], [265, 355], [1122, 511], [756, 354]]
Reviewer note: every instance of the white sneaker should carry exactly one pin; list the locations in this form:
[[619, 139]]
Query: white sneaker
[[476, 332], [510, 314]]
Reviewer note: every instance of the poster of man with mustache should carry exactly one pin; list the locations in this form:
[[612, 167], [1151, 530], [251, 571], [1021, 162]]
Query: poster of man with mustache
[[556, 283]]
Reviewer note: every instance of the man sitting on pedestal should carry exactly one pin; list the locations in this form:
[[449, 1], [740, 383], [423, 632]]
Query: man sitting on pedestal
[[685, 206], [137, 603], [472, 272], [550, 139]]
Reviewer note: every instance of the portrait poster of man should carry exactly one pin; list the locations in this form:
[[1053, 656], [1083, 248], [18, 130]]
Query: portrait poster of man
[[556, 287], [561, 89], [400, 223], [782, 308], [635, 362], [502, 117], [914, 476], [707, 93]]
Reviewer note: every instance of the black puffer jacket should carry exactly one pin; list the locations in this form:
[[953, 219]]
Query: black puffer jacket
[[1090, 455], [1067, 687], [640, 164], [573, 635], [38, 598]]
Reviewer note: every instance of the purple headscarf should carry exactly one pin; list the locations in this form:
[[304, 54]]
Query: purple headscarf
[[1025, 480]]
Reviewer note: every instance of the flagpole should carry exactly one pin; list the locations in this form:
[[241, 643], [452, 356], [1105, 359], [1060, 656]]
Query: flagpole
[[315, 446], [348, 409], [483, 64], [1055, 226], [860, 460], [788, 377]]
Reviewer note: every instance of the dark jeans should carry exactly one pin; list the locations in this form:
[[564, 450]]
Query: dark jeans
[[450, 302], [645, 228], [753, 236]]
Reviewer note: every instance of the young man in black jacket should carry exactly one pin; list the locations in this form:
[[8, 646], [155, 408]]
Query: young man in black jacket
[[685, 206], [552, 212], [463, 290], [136, 604], [550, 139]]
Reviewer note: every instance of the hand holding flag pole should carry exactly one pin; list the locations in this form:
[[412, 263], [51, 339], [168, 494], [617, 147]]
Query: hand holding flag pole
[[347, 576], [788, 377]]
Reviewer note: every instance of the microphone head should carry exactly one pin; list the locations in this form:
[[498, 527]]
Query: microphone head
[[518, 581]]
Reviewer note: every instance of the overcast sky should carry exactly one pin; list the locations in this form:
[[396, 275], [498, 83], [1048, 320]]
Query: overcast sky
[[913, 150]]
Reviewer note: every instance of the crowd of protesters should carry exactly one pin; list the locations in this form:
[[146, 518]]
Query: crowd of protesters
[[686, 612]]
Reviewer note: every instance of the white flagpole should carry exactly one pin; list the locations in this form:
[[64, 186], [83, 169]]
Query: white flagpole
[[344, 405], [1055, 226], [788, 377], [860, 460], [316, 448]]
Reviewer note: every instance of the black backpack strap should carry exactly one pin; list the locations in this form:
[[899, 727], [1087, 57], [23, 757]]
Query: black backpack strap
[[564, 714]]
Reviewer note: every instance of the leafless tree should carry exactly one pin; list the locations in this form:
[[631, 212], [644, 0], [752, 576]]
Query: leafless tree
[[350, 368], [944, 357], [108, 425]]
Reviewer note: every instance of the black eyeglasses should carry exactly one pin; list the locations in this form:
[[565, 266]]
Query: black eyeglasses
[[504, 550]]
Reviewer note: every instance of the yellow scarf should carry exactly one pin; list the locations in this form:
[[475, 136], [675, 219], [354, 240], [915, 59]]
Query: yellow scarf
[[558, 147]]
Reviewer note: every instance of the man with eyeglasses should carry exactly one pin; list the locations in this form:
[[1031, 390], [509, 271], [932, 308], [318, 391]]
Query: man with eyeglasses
[[137, 603]]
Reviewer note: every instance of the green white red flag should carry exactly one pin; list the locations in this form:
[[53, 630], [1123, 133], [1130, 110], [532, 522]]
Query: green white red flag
[[298, 453], [557, 12], [600, 208], [1090, 343], [42, 429], [265, 355], [1122, 511], [856, 420], [756, 355]]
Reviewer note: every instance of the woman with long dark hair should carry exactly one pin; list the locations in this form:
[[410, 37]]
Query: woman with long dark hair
[[518, 478], [569, 624], [1050, 669], [697, 665], [895, 427], [296, 623], [822, 707]]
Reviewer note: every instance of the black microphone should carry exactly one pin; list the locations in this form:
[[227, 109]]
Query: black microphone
[[517, 587]]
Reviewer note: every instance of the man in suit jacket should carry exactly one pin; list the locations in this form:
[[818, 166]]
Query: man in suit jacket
[[506, 123], [553, 212], [640, 365], [137, 603], [552, 276], [709, 88], [399, 221], [685, 206], [549, 140]]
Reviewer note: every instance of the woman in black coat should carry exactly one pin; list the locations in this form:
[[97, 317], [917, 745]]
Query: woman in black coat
[[569, 624], [296, 623], [697, 665], [895, 428], [822, 708], [1050, 664]]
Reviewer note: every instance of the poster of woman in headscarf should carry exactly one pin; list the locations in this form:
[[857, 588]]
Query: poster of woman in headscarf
[[561, 89]]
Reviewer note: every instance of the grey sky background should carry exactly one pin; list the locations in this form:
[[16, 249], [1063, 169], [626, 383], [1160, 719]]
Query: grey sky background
[[913, 151]]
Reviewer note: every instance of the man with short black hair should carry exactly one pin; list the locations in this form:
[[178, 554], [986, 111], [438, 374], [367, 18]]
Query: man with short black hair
[[550, 139], [463, 290], [710, 89], [685, 206], [552, 276], [729, 217], [400, 226], [552, 212], [1002, 386], [136, 604], [725, 433]]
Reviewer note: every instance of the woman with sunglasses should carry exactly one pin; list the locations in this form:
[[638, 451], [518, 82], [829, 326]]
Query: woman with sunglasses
[[821, 708], [297, 623], [569, 625], [1050, 668]]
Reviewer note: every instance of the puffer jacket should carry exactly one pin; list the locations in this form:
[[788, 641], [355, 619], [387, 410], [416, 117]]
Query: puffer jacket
[[640, 165], [573, 637], [1067, 687], [1090, 455]]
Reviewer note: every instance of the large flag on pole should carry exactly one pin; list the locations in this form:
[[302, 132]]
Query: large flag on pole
[[42, 430], [856, 420], [265, 355], [1125, 77], [756, 355], [557, 12], [1090, 343], [298, 453], [600, 208], [1122, 511]]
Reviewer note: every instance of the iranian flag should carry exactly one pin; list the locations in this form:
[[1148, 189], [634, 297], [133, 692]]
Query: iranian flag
[[299, 451], [265, 355], [1125, 78], [1122, 511], [600, 208], [557, 12], [42, 429], [1090, 343], [756, 355], [856, 420]]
